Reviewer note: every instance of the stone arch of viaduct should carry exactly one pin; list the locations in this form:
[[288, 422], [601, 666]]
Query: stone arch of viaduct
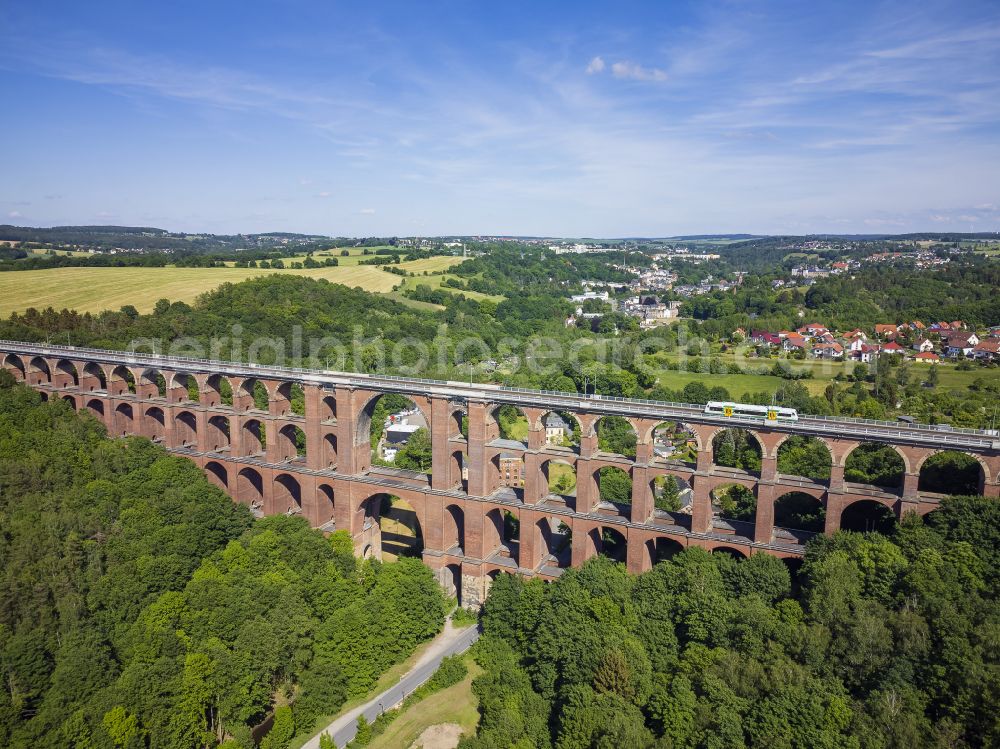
[[255, 454]]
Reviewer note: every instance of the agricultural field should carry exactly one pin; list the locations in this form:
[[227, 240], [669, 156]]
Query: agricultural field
[[823, 373], [96, 289]]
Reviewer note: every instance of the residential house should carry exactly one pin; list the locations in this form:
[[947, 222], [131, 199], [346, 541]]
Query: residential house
[[856, 334], [762, 337], [556, 429], [864, 353], [794, 342], [960, 343], [511, 470], [828, 351], [923, 345], [988, 350], [893, 349], [927, 357], [886, 331], [813, 329]]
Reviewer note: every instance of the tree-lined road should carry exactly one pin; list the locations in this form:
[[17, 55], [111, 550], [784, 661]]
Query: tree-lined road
[[449, 642]]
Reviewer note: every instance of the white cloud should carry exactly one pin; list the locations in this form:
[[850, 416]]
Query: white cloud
[[367, 211], [596, 65], [14, 214], [324, 194], [636, 72]]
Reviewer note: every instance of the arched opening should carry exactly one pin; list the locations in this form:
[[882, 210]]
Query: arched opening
[[400, 529], [328, 408], [729, 550], [670, 493], [736, 448], [325, 506], [217, 474], [501, 533], [124, 419], [296, 398], [250, 490], [616, 436], [458, 424], [673, 441], [868, 516], [122, 380], [251, 395], [185, 429], [44, 397], [93, 377], [794, 565], [287, 398], [609, 542], [216, 391], [96, 408], [183, 388], [254, 439], [508, 423], [562, 429], [453, 531], [155, 424], [560, 478], [291, 443], [66, 371], [875, 464], [951, 472], [287, 495], [397, 432], [799, 511], [38, 371], [71, 400], [13, 364], [734, 502], [803, 456], [218, 432], [456, 470], [452, 581], [554, 540], [151, 384], [614, 486], [330, 450], [661, 548]]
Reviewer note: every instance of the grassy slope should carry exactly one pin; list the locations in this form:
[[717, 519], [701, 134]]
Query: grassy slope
[[456, 704], [385, 681]]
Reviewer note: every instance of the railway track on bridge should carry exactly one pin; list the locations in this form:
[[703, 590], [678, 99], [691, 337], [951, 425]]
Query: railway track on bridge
[[922, 435]]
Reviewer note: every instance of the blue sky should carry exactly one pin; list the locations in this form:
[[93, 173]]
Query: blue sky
[[553, 118]]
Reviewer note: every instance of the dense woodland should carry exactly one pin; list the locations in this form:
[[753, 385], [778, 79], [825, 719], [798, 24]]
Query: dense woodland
[[140, 607], [876, 642]]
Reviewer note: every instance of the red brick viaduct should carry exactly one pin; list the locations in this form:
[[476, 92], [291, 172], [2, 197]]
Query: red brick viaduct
[[251, 453]]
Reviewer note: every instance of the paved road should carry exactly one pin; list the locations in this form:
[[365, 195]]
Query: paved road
[[449, 642]]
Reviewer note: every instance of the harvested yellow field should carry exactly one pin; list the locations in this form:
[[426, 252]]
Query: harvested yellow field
[[431, 264], [96, 289]]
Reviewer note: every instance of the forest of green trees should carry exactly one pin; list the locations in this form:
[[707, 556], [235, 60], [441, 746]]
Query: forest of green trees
[[141, 607], [875, 643]]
